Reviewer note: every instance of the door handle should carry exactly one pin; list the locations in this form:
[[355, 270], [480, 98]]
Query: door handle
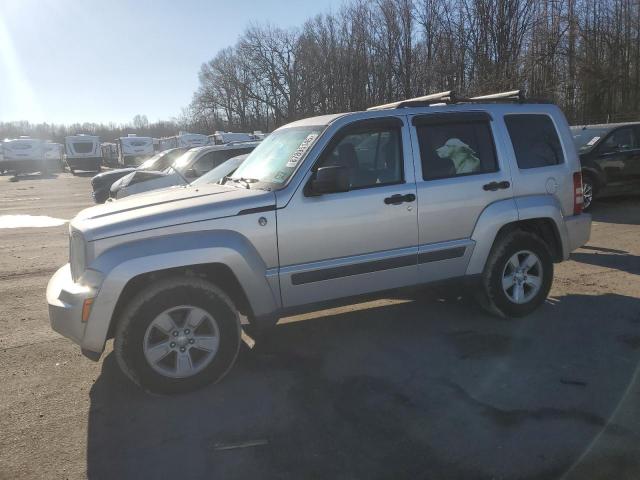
[[397, 199], [493, 186]]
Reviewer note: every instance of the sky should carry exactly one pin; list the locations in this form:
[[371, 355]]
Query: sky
[[67, 61]]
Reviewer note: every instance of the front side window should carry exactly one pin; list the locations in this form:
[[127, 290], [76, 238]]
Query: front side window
[[620, 140], [535, 140], [455, 149], [373, 158]]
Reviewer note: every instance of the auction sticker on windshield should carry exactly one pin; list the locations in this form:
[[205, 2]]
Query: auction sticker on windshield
[[295, 157], [593, 140]]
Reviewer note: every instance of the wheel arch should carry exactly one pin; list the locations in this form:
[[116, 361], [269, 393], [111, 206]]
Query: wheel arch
[[541, 215], [224, 258]]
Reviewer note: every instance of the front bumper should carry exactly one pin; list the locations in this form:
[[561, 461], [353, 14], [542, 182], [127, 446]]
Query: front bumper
[[578, 230], [65, 299]]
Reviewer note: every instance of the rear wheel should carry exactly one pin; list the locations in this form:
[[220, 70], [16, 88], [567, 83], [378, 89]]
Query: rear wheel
[[178, 335], [588, 191], [518, 275]]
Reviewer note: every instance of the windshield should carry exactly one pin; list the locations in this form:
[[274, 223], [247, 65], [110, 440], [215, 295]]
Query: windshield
[[586, 138], [150, 163], [183, 161], [276, 158], [221, 171]]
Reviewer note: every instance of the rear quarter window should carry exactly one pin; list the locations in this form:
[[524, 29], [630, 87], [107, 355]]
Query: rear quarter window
[[535, 140]]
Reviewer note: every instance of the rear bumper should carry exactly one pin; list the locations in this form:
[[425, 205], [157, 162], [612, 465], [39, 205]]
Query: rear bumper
[[578, 230], [84, 163], [65, 299]]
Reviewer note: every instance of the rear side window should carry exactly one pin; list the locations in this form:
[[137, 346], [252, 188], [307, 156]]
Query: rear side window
[[454, 149], [535, 140]]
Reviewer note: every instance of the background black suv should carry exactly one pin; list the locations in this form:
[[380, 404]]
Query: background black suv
[[610, 158]]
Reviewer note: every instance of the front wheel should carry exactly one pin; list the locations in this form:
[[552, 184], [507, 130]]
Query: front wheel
[[518, 275], [178, 335]]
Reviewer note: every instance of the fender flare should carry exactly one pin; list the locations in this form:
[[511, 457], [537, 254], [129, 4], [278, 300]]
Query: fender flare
[[503, 212], [126, 261]]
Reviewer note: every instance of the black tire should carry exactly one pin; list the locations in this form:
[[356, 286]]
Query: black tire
[[588, 182], [155, 299], [492, 296]]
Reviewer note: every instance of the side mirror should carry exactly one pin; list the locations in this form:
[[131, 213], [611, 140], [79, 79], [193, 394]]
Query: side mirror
[[191, 173], [330, 179]]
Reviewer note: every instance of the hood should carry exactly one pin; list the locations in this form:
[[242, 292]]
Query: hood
[[136, 176], [164, 208], [110, 175]]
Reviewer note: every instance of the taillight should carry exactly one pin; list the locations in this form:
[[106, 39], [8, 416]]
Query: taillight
[[578, 199]]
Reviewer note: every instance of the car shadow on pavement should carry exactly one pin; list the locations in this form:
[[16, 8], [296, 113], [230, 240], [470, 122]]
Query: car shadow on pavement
[[424, 388], [622, 261], [621, 210], [34, 176]]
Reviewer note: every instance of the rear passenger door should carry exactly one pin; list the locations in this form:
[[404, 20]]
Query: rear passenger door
[[458, 175]]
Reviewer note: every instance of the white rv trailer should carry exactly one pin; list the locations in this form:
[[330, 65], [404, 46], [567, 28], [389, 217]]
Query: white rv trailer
[[133, 150], [166, 143], [83, 152], [222, 138], [184, 140], [23, 155], [53, 155]]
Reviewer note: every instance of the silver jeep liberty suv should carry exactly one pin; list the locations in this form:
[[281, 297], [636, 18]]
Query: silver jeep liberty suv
[[326, 208]]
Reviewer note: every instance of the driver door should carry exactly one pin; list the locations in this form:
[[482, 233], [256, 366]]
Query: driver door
[[617, 156], [363, 240]]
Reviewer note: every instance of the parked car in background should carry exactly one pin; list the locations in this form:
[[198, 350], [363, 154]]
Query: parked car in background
[[219, 173], [325, 209], [23, 155], [188, 167], [133, 150], [83, 152], [610, 158], [54, 156], [101, 183]]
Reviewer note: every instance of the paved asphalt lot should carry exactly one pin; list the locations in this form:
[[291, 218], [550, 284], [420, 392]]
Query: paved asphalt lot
[[419, 386]]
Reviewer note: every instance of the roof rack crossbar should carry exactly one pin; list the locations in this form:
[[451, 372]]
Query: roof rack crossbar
[[512, 95], [440, 97], [450, 97]]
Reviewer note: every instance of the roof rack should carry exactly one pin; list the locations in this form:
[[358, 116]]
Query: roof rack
[[450, 97], [442, 97]]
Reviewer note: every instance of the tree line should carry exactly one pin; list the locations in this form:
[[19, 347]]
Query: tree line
[[107, 132], [582, 54]]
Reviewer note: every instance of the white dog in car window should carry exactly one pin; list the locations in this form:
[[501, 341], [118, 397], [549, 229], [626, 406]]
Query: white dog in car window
[[462, 156]]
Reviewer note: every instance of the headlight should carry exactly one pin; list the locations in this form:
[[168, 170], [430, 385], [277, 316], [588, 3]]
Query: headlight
[[77, 254]]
